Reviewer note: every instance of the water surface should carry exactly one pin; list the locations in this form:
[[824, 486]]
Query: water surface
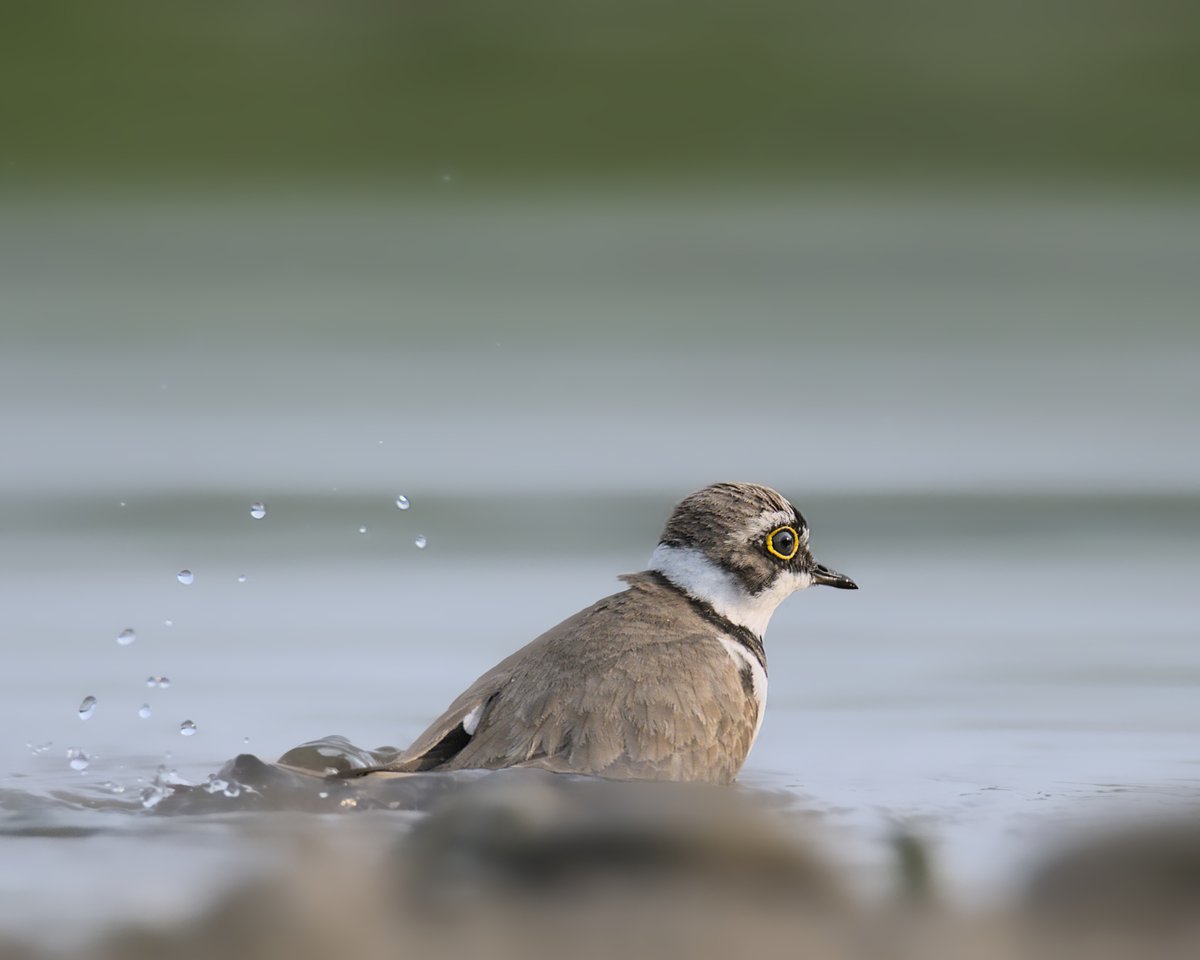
[[986, 414]]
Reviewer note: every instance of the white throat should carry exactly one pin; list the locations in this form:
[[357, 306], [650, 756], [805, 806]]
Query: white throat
[[696, 575]]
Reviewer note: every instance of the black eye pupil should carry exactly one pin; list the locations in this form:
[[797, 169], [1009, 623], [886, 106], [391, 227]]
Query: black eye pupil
[[784, 541]]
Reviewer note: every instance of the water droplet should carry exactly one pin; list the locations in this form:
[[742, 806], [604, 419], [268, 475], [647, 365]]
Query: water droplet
[[186, 577], [164, 682], [258, 510], [402, 502], [323, 794], [38, 749], [122, 503], [421, 542], [168, 623], [167, 775], [241, 578], [362, 529], [348, 803], [245, 739], [187, 728], [144, 711], [126, 637], [77, 759], [153, 794], [87, 708], [215, 784]]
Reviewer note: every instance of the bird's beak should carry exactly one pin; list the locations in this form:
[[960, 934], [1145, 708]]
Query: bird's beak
[[831, 578]]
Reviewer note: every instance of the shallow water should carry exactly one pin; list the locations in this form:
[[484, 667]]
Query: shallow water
[[1018, 502], [931, 697]]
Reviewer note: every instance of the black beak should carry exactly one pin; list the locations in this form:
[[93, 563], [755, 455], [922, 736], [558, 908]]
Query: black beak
[[831, 578]]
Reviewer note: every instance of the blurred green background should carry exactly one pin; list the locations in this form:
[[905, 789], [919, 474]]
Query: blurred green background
[[782, 89], [581, 246]]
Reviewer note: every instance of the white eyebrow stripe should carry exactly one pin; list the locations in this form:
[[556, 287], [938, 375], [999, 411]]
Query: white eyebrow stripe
[[769, 521]]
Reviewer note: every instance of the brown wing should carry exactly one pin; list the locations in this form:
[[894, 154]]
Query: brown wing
[[606, 693], [447, 736]]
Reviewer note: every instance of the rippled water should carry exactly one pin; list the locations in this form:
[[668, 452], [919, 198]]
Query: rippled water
[[1018, 501], [994, 672]]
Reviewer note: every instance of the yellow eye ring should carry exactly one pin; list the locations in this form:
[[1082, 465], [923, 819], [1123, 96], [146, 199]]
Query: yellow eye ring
[[789, 551]]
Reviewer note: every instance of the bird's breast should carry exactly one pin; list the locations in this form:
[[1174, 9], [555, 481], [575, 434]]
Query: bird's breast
[[752, 676]]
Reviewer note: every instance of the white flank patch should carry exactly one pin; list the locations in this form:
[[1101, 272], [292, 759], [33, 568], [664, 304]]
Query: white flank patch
[[693, 573], [742, 656], [470, 723]]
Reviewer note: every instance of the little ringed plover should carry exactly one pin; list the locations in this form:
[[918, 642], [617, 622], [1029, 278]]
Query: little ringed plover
[[666, 680]]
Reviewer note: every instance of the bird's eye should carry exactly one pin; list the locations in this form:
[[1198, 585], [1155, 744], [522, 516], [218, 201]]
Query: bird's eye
[[783, 542]]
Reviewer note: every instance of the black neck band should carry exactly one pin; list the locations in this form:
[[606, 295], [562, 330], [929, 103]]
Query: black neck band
[[743, 635]]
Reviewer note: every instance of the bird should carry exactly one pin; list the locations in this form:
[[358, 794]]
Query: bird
[[665, 680]]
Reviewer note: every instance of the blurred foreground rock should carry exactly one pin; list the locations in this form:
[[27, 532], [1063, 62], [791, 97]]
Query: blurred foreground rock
[[527, 864], [1130, 891]]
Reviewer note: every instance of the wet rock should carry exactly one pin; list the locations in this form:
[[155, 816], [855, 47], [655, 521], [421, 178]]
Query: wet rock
[[335, 755], [272, 786]]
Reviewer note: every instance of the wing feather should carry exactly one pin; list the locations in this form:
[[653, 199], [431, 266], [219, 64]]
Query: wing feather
[[633, 686]]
